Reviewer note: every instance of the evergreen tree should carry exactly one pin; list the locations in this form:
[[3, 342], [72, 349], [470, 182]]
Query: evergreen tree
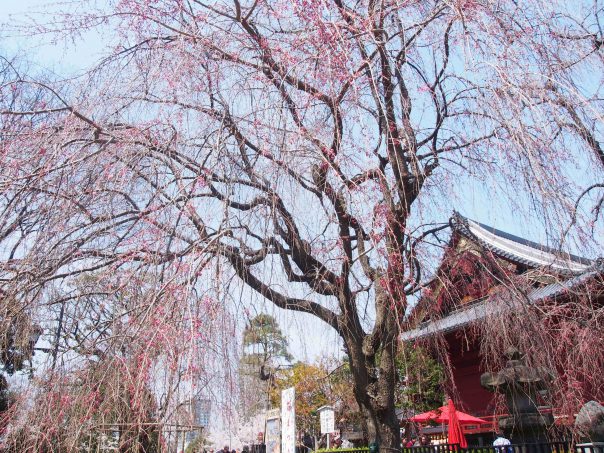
[[421, 377], [264, 349]]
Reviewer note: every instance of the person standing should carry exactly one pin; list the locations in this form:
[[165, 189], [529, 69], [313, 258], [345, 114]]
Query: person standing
[[501, 444], [308, 442], [423, 441]]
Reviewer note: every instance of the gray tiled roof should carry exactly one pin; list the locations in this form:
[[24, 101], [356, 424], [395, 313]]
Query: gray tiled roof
[[518, 249], [579, 270], [486, 307]]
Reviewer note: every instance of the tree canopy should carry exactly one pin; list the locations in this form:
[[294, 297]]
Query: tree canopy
[[263, 341], [326, 382], [264, 350], [309, 151], [422, 381]]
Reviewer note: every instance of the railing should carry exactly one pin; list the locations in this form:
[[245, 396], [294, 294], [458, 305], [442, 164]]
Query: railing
[[598, 447], [439, 448], [345, 450], [549, 447]]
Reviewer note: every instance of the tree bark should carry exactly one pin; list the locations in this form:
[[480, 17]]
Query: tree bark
[[375, 396], [374, 371]]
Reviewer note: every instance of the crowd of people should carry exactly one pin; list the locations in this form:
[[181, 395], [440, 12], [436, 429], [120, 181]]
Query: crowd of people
[[501, 443], [407, 442], [421, 441], [226, 449]]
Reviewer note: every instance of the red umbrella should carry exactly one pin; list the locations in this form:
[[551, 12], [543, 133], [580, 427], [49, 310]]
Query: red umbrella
[[441, 415], [455, 432]]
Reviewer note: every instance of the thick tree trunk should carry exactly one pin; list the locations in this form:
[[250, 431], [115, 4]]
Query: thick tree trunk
[[383, 428], [375, 396], [374, 371]]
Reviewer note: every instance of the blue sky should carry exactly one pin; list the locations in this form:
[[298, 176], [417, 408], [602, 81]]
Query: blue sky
[[309, 338], [67, 58], [64, 58]]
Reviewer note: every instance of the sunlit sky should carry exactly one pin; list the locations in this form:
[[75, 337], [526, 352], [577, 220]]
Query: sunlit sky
[[68, 58], [309, 338], [63, 58]]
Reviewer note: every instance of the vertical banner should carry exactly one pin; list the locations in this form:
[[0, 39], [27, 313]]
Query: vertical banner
[[288, 420]]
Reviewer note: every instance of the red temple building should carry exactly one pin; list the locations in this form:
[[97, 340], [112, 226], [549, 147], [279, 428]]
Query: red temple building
[[478, 261]]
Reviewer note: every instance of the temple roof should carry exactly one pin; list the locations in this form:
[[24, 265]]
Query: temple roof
[[519, 250], [573, 271], [488, 307]]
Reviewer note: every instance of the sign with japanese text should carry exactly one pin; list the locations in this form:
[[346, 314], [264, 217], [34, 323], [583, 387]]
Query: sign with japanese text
[[272, 432], [327, 417]]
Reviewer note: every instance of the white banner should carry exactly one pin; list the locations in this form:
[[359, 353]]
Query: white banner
[[288, 420]]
